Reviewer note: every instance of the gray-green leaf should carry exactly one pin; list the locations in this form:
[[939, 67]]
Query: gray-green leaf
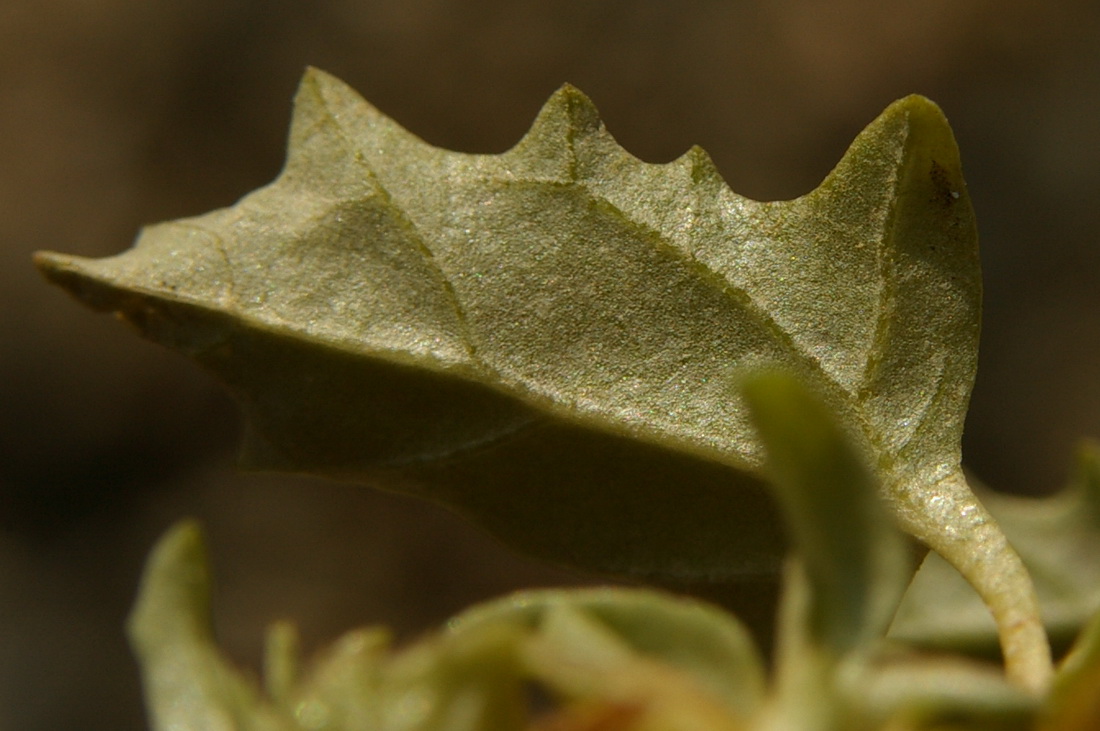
[[856, 565], [548, 338], [677, 658]]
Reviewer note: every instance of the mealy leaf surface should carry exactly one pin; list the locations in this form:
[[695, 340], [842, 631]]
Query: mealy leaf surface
[[550, 338]]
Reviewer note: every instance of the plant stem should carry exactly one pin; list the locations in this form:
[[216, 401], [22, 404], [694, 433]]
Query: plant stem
[[950, 520]]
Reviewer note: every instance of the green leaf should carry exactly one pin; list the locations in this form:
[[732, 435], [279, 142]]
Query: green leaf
[[1074, 703], [189, 685], [470, 682], [678, 658], [1058, 538], [476, 322], [855, 561], [939, 692], [547, 338], [606, 630]]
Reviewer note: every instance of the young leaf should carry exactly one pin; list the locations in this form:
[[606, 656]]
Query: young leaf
[[701, 641], [188, 683], [547, 338], [854, 558], [587, 664], [669, 658], [1074, 703]]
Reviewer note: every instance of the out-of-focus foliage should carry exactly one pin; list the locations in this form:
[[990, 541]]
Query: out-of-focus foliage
[[621, 658]]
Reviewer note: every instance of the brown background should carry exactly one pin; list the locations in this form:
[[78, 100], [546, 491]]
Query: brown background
[[116, 113]]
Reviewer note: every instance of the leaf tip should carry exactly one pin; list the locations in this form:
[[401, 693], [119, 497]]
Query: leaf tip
[[910, 133], [321, 81], [573, 97], [928, 134], [317, 92], [77, 276], [567, 111], [174, 599], [50, 264], [916, 104]]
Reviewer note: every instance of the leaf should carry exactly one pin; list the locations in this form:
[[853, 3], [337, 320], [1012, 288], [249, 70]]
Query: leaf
[[676, 658], [592, 668], [546, 339], [389, 307], [856, 565], [1058, 538], [937, 693], [188, 683], [617, 626], [1074, 703]]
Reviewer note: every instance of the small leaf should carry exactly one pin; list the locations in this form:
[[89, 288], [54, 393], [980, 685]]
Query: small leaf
[[188, 683], [668, 657], [592, 668], [1074, 703], [343, 689], [704, 642], [940, 692], [470, 682], [855, 560]]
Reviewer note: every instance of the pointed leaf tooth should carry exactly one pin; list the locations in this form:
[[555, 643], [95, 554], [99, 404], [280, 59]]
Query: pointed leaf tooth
[[160, 287], [703, 168], [321, 159], [548, 151], [71, 274], [369, 135]]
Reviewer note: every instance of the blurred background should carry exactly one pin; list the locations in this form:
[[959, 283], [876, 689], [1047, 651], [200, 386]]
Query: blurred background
[[117, 113]]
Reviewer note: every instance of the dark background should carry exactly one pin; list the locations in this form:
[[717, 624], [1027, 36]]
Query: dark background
[[117, 113]]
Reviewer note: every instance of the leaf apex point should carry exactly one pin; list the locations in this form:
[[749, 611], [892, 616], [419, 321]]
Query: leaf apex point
[[184, 540], [64, 270], [696, 155], [315, 75], [570, 90], [317, 89], [567, 108], [572, 98], [312, 79], [914, 103], [924, 117], [47, 261]]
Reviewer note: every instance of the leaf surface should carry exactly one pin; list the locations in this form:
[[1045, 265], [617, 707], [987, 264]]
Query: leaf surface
[[549, 338]]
